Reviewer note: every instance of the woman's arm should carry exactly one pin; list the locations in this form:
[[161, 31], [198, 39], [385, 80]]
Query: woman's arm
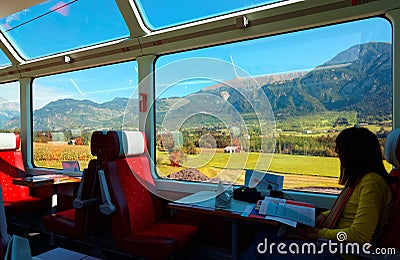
[[372, 192]]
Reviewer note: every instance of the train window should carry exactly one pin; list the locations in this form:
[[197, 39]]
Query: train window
[[4, 61], [56, 26], [163, 14], [68, 107], [9, 107], [213, 104]]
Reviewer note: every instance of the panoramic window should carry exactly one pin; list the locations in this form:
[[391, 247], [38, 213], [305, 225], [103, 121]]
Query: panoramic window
[[274, 104], [9, 107], [162, 14], [53, 26], [68, 107], [4, 61]]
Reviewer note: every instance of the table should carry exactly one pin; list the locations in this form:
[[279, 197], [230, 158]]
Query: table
[[63, 254], [47, 179], [204, 202]]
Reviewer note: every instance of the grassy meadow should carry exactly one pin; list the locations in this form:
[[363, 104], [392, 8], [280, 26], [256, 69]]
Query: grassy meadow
[[298, 170], [321, 171]]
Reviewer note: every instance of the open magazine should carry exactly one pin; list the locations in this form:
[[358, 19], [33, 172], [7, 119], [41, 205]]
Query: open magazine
[[289, 212]]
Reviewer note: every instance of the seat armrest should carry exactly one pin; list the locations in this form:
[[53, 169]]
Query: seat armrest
[[78, 203]]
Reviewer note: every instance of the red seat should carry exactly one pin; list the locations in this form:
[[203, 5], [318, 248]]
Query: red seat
[[134, 224], [11, 166], [391, 237], [85, 217], [4, 236]]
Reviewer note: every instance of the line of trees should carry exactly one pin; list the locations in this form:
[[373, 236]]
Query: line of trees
[[323, 145]]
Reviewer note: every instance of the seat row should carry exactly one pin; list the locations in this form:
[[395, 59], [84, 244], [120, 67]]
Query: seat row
[[17, 198], [115, 184], [135, 226]]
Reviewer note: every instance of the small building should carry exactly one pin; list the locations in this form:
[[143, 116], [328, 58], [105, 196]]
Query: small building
[[232, 149]]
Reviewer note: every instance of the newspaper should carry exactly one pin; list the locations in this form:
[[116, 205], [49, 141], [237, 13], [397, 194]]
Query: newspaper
[[288, 213]]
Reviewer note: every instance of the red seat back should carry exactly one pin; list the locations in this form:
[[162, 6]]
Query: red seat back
[[74, 223], [94, 220], [11, 166], [135, 224], [134, 204]]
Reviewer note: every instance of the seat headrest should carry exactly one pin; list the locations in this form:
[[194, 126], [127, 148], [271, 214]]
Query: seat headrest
[[392, 147], [98, 143], [125, 143], [9, 141]]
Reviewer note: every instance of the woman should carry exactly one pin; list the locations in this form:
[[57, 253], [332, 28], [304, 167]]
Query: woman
[[362, 209]]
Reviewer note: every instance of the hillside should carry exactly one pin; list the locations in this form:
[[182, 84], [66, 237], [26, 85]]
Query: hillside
[[9, 114], [364, 74], [360, 73], [70, 114]]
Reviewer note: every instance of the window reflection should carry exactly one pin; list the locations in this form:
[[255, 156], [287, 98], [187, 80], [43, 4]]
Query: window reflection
[[56, 26], [316, 83]]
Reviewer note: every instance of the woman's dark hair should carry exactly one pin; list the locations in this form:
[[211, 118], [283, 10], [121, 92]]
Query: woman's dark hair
[[359, 153]]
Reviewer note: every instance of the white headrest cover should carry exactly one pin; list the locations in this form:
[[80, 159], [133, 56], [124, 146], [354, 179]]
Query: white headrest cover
[[391, 147], [131, 143], [8, 141]]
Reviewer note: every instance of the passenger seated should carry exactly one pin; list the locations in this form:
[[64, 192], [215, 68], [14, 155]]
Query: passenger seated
[[363, 208], [134, 225]]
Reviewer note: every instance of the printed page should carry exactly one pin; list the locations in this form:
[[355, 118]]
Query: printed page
[[275, 200], [282, 220], [304, 215]]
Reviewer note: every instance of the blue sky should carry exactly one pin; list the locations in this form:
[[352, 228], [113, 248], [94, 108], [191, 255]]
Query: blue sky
[[79, 24], [162, 14], [297, 51]]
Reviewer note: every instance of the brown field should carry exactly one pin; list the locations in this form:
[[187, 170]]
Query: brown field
[[50, 155]]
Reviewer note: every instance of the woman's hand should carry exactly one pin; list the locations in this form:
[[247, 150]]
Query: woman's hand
[[319, 220], [309, 232]]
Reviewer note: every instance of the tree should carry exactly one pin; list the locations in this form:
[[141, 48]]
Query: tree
[[176, 157]]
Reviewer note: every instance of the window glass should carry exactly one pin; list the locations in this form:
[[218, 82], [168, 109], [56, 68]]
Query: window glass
[[4, 61], [9, 107], [161, 14], [69, 107], [317, 82], [53, 26]]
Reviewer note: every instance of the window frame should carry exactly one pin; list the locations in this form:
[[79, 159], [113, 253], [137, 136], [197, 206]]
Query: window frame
[[323, 199]]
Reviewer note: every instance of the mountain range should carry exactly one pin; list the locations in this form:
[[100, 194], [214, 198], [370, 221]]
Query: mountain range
[[358, 79]]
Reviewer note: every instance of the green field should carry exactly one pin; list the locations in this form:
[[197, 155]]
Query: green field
[[299, 171]]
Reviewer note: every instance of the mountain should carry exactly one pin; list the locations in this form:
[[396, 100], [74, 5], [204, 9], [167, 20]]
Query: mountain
[[361, 73], [251, 83], [9, 112], [357, 79], [70, 114]]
